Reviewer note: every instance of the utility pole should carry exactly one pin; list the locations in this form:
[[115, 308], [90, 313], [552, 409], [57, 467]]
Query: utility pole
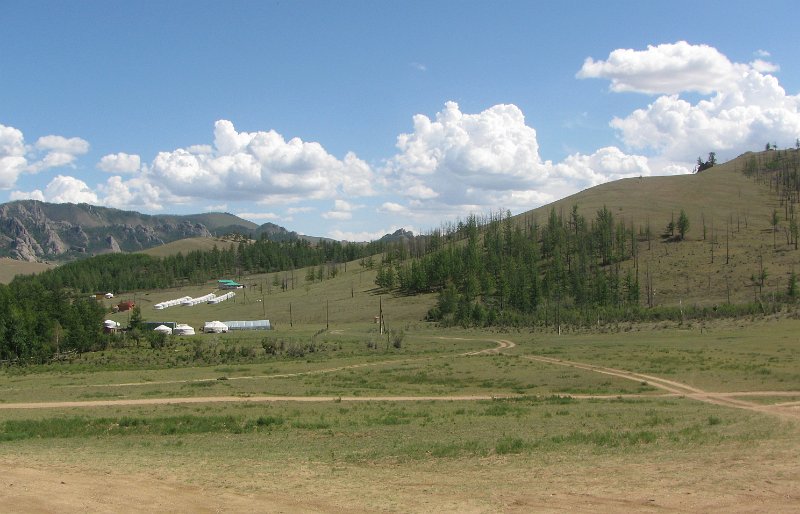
[[327, 315], [290, 315]]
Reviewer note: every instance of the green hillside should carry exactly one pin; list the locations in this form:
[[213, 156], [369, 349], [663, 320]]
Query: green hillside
[[187, 245], [350, 298], [735, 209]]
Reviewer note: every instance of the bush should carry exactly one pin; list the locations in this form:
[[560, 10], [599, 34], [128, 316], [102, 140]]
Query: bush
[[397, 337], [270, 346], [157, 340]]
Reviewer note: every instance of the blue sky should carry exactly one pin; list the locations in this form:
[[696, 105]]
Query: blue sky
[[353, 119]]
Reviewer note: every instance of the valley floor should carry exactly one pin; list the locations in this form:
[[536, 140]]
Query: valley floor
[[722, 440]]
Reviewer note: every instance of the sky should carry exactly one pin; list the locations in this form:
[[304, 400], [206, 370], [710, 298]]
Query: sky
[[352, 119]]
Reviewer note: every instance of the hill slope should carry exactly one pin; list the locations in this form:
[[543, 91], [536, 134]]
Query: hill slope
[[711, 265], [34, 231], [9, 268]]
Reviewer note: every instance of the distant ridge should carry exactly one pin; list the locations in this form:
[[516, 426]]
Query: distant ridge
[[32, 231]]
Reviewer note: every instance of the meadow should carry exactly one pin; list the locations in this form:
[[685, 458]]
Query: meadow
[[326, 413], [9, 268], [455, 423]]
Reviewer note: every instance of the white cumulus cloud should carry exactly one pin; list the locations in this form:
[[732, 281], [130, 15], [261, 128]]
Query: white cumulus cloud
[[459, 163], [120, 163], [746, 106], [61, 189], [366, 235], [36, 194], [48, 152], [342, 210], [12, 156], [260, 166], [664, 69], [136, 193]]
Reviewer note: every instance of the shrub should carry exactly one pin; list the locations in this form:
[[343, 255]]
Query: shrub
[[397, 337]]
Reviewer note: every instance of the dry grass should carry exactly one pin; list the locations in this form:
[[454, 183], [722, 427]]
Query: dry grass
[[187, 245], [729, 203], [350, 298], [9, 268]]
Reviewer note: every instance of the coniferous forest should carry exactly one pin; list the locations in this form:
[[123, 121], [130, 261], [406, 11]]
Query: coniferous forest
[[41, 315], [497, 270]]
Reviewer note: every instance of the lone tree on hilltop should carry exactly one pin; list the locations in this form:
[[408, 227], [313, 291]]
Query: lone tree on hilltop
[[683, 224], [712, 160]]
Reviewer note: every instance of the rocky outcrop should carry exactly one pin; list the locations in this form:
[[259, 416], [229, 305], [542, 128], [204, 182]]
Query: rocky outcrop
[[112, 245], [23, 246], [32, 230], [52, 243], [77, 234]]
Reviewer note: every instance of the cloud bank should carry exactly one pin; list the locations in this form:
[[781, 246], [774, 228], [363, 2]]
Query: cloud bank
[[448, 164], [48, 152], [745, 107], [457, 163]]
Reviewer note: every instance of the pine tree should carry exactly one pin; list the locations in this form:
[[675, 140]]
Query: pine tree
[[683, 224]]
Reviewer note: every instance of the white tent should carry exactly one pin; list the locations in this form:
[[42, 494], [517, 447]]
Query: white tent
[[111, 324], [162, 329], [171, 303], [183, 330], [190, 302], [215, 327], [109, 295], [221, 298]]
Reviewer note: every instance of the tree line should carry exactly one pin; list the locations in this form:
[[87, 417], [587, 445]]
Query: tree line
[[130, 272], [504, 271], [37, 322], [50, 313]]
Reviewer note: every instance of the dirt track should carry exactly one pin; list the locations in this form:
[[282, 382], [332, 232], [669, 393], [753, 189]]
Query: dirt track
[[762, 482], [787, 410]]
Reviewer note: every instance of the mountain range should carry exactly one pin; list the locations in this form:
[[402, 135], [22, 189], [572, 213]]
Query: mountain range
[[31, 230]]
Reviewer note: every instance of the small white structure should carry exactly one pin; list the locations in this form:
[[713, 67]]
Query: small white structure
[[191, 302], [163, 329], [215, 327], [256, 324], [221, 298], [183, 330], [109, 295], [111, 324], [171, 303]]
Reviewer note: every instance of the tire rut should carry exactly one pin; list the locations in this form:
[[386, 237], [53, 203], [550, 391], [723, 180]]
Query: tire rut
[[786, 410]]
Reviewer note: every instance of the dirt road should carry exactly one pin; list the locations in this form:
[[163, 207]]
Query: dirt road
[[789, 410], [761, 481]]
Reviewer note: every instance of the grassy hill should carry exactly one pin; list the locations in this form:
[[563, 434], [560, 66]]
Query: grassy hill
[[350, 298], [9, 268], [729, 213], [187, 245], [736, 211]]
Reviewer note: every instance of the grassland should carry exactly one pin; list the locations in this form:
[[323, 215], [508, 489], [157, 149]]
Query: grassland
[[543, 437], [350, 299], [354, 423], [9, 268], [187, 245], [730, 236]]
